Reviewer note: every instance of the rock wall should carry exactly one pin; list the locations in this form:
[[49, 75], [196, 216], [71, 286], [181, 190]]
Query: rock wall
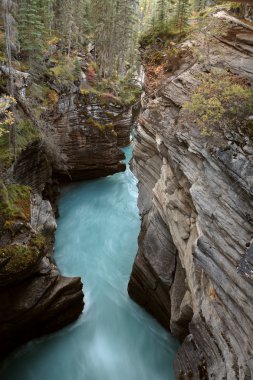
[[34, 298], [88, 134], [193, 270]]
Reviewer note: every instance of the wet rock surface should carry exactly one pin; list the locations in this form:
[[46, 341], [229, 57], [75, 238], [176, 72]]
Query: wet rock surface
[[193, 270]]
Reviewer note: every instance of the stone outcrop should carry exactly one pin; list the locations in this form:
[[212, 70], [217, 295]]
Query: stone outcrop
[[35, 299], [193, 270], [33, 167], [88, 132]]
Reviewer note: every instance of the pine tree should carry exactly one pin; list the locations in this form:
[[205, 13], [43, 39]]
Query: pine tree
[[113, 24], [47, 15], [31, 28], [182, 15], [8, 7]]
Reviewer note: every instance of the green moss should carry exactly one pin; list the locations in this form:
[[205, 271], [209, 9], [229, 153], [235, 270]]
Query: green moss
[[89, 91], [15, 201], [110, 115], [38, 92], [101, 127], [38, 241], [96, 124], [19, 258]]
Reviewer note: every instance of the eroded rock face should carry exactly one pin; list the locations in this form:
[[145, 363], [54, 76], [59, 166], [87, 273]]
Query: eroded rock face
[[88, 135], [192, 270], [34, 298], [24, 170]]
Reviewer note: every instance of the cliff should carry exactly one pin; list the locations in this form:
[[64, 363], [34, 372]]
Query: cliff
[[193, 270], [35, 299], [88, 134]]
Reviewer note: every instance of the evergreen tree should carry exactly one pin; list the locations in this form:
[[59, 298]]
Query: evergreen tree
[[31, 28], [8, 8], [182, 14], [114, 27], [47, 15]]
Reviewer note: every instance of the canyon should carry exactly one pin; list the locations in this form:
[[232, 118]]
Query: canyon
[[194, 267]]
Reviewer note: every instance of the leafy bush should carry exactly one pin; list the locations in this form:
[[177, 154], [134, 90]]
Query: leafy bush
[[65, 71], [220, 103]]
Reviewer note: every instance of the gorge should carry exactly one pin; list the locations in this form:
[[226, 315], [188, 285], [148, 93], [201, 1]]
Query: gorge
[[113, 333], [193, 167]]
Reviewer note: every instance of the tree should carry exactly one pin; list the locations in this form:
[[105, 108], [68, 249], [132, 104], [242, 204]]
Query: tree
[[182, 14], [31, 28], [8, 7], [114, 24]]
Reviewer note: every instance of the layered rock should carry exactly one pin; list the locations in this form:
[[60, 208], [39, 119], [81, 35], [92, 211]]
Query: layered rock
[[192, 271], [35, 299], [88, 132]]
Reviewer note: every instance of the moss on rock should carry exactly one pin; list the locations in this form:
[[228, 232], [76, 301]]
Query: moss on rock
[[18, 258], [38, 241], [15, 201]]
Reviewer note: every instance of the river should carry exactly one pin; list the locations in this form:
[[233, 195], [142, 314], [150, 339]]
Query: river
[[114, 339]]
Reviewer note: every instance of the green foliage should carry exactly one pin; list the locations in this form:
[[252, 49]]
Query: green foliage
[[220, 103], [92, 122], [122, 91], [25, 133], [6, 114], [102, 127], [31, 28], [161, 33], [182, 15], [15, 201], [66, 71], [77, 69], [114, 23], [37, 92], [38, 241], [18, 257]]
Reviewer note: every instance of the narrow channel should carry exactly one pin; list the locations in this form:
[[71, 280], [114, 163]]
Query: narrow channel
[[114, 339]]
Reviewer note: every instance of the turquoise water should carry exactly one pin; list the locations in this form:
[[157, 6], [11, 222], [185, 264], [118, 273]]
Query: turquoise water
[[114, 339]]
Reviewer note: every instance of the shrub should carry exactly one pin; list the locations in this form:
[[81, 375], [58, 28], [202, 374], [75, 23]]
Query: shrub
[[220, 103]]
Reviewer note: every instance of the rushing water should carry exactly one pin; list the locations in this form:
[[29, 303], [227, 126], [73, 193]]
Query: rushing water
[[114, 339]]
